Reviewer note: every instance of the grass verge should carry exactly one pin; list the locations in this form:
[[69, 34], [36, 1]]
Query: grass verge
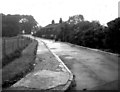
[[9, 58], [18, 68]]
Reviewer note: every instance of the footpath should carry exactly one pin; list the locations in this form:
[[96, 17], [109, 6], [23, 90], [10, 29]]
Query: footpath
[[49, 73]]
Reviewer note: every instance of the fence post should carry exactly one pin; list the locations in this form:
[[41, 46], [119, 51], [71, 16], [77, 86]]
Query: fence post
[[27, 41], [24, 42], [17, 43], [20, 43], [12, 46], [3, 49]]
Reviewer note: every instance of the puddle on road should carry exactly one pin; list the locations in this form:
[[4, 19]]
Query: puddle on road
[[69, 57], [53, 48]]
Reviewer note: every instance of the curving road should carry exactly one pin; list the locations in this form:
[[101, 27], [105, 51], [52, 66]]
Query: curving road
[[93, 70]]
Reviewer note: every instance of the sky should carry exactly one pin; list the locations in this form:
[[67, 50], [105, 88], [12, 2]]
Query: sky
[[44, 11]]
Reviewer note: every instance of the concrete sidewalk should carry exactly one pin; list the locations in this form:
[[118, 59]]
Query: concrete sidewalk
[[49, 73]]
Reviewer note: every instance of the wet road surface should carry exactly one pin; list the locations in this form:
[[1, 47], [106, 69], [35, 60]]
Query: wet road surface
[[93, 70]]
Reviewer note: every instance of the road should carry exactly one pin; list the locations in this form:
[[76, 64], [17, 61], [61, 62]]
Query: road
[[93, 70]]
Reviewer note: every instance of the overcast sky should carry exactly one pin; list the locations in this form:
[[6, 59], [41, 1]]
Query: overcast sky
[[44, 11]]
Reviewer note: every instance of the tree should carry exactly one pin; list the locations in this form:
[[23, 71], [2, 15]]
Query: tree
[[13, 25], [113, 35], [75, 19], [27, 23], [60, 21], [10, 25], [53, 22]]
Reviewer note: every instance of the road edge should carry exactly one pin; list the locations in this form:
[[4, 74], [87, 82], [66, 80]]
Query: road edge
[[97, 50]]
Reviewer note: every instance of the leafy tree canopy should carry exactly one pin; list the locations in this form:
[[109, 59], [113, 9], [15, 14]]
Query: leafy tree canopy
[[75, 19], [13, 25]]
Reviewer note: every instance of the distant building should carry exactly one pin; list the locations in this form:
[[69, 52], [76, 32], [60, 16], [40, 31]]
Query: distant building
[[51, 30]]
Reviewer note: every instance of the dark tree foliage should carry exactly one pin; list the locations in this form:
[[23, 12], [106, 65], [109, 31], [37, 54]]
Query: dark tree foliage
[[65, 32], [53, 22], [113, 35], [60, 21], [75, 19], [12, 25], [88, 34], [29, 24]]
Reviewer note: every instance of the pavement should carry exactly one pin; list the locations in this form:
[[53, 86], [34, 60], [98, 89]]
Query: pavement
[[50, 73]]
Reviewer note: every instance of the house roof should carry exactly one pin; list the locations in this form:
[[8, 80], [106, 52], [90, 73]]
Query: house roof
[[52, 25]]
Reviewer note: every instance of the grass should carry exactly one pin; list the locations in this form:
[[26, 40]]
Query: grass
[[12, 48], [11, 57], [18, 68]]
